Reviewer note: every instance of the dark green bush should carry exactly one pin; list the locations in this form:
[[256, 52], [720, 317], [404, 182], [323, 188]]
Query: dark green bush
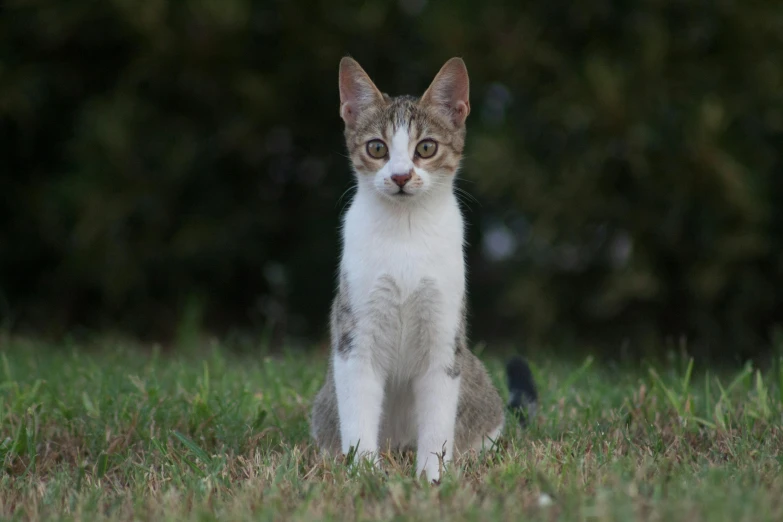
[[626, 158]]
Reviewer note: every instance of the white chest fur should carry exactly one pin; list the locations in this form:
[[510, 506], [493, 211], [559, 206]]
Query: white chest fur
[[405, 276]]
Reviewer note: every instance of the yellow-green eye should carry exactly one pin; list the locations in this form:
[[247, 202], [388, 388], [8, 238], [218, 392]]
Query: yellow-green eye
[[376, 149], [426, 148]]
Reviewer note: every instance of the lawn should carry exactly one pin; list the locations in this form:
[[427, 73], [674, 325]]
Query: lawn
[[116, 432]]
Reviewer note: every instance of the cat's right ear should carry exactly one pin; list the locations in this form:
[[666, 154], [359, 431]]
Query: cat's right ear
[[357, 91]]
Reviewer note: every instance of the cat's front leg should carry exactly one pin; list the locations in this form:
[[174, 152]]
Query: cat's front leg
[[436, 397], [359, 402]]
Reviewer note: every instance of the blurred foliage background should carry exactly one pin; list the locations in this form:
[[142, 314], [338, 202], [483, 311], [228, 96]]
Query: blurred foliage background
[[171, 160]]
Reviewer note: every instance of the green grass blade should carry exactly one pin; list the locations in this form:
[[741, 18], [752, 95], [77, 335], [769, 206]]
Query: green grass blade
[[193, 447]]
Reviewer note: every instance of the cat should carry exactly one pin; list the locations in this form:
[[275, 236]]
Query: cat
[[401, 375]]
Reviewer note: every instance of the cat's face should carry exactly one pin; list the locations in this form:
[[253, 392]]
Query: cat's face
[[403, 147]]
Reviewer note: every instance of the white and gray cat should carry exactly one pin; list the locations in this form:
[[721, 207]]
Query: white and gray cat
[[401, 374]]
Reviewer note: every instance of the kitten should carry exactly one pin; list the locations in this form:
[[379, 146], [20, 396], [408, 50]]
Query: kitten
[[401, 374]]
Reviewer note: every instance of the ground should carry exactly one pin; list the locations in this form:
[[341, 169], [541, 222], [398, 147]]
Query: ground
[[111, 432]]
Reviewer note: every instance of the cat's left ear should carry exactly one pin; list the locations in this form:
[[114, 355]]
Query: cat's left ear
[[450, 90]]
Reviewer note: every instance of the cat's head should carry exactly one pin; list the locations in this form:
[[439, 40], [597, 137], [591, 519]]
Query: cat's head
[[404, 147]]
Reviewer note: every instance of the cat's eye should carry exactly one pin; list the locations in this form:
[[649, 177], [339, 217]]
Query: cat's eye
[[376, 149], [426, 148]]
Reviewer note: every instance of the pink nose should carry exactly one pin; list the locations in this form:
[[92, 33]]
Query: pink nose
[[401, 179]]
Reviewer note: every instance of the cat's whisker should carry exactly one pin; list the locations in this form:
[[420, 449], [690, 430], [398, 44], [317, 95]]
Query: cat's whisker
[[461, 194], [467, 195], [339, 200]]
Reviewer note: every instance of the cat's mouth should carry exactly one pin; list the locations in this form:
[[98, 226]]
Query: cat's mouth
[[401, 193]]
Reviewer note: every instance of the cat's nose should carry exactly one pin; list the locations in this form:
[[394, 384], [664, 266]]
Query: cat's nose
[[401, 179]]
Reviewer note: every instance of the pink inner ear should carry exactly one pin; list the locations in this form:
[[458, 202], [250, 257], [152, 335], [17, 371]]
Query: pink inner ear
[[347, 112], [453, 101], [462, 110], [457, 88]]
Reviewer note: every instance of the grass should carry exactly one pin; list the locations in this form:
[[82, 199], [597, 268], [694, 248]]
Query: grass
[[123, 434]]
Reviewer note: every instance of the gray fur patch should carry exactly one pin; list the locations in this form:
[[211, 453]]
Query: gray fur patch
[[402, 328], [453, 371], [460, 343], [343, 321], [422, 305], [480, 408], [384, 310]]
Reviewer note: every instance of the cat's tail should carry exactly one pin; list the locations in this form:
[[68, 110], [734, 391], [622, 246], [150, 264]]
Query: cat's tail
[[523, 397]]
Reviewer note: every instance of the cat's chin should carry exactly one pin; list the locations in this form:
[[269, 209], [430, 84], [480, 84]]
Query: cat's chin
[[399, 197]]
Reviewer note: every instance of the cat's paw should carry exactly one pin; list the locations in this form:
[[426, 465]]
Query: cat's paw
[[432, 469], [363, 460]]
